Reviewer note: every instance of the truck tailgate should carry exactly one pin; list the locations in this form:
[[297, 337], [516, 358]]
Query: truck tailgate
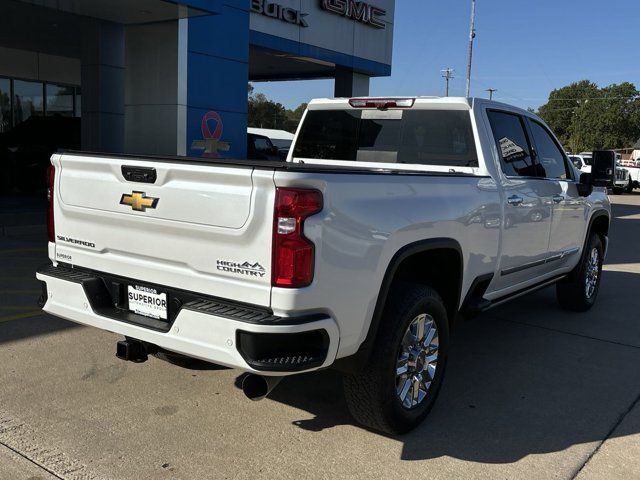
[[205, 228]]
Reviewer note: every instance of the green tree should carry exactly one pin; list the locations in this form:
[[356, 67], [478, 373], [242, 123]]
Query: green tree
[[294, 117], [264, 113], [558, 112], [585, 117], [610, 120]]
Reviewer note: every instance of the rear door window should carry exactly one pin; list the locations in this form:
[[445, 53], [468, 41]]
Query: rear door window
[[428, 137]]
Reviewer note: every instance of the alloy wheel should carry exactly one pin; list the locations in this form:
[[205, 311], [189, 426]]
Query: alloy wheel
[[417, 361], [591, 278]]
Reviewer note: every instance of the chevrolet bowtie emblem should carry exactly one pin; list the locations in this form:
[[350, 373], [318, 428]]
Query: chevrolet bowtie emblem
[[138, 201]]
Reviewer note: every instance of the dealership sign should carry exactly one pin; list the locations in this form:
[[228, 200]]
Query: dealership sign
[[358, 11], [275, 10]]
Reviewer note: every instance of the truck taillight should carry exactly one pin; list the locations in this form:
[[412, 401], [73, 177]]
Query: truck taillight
[[51, 175], [293, 253]]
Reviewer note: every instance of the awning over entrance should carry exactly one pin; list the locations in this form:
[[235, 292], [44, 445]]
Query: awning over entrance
[[274, 65], [128, 12]]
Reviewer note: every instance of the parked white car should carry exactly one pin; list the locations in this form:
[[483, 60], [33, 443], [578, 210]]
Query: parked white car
[[632, 167], [280, 138], [582, 162], [623, 178]]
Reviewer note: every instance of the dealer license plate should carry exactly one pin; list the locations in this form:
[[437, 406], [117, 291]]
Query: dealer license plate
[[147, 301]]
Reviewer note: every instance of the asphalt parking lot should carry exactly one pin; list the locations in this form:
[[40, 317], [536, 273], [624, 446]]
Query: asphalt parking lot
[[531, 392]]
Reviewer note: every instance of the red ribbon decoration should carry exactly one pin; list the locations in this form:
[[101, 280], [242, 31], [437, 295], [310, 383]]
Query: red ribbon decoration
[[213, 138]]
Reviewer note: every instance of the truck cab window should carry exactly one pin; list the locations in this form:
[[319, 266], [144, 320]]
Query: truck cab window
[[550, 157], [513, 146], [424, 137]]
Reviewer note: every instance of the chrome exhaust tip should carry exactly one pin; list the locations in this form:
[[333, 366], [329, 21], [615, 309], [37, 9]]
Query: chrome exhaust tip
[[257, 387]]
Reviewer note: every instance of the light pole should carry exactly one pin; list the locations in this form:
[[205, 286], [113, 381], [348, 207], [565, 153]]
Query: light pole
[[447, 74], [491, 90], [472, 35]]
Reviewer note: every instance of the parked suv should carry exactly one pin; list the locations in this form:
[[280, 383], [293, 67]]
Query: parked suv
[[391, 220]]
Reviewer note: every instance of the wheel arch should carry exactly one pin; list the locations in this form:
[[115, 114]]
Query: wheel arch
[[599, 223], [405, 264]]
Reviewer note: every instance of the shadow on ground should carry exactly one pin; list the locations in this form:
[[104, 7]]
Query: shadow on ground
[[625, 229], [15, 330], [525, 378], [512, 389]]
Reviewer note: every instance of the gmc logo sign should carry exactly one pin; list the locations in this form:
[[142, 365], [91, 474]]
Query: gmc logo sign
[[358, 11]]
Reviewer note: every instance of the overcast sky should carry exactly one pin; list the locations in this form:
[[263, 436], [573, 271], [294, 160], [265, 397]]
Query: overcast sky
[[523, 48]]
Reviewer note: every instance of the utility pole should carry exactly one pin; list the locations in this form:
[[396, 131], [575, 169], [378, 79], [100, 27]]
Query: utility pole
[[491, 90], [447, 74], [472, 35]]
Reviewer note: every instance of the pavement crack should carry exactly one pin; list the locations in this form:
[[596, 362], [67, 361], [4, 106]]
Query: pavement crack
[[618, 422], [565, 332], [22, 455]]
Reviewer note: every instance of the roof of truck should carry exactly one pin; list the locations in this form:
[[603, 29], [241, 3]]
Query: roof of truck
[[342, 101], [452, 103]]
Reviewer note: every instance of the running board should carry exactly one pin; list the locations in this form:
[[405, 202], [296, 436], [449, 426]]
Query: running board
[[489, 304]]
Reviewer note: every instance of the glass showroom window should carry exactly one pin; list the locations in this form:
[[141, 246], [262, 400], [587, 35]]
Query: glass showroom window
[[78, 102], [59, 100], [5, 105], [28, 100]]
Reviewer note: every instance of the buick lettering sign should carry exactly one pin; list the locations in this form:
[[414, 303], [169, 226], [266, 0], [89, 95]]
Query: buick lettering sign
[[358, 11], [275, 10]]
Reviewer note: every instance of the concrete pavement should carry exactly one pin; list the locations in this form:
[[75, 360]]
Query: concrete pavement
[[531, 392]]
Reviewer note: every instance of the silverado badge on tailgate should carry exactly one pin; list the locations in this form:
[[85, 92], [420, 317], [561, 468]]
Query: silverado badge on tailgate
[[138, 201]]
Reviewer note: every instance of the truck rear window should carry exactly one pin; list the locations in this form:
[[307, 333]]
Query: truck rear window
[[429, 137]]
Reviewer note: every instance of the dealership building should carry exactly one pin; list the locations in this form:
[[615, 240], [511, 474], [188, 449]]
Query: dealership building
[[170, 77]]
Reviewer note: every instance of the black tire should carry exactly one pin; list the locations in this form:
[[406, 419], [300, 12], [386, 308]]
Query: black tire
[[617, 190], [629, 188], [572, 291], [371, 394]]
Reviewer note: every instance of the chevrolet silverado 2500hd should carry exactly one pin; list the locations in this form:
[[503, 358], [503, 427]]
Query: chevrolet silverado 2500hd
[[391, 219]]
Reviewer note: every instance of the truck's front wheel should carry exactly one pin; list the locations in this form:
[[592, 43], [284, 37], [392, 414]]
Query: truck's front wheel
[[629, 188], [579, 290], [399, 385]]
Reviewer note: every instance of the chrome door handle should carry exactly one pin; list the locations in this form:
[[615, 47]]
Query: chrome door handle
[[514, 200], [557, 198]]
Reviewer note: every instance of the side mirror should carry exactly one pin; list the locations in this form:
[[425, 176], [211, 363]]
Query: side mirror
[[585, 185], [603, 168]]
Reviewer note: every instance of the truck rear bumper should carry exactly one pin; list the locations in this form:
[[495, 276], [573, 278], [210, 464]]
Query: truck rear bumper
[[269, 346]]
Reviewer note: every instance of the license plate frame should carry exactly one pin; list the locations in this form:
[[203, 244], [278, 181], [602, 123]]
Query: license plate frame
[[149, 302]]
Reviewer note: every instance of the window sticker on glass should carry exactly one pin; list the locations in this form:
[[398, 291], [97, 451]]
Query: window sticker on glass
[[511, 151]]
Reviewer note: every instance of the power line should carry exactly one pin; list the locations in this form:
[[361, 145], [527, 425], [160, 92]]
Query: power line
[[447, 74], [631, 97]]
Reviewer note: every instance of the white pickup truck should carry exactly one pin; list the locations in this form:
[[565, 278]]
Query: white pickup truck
[[633, 169], [626, 179], [391, 220]]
